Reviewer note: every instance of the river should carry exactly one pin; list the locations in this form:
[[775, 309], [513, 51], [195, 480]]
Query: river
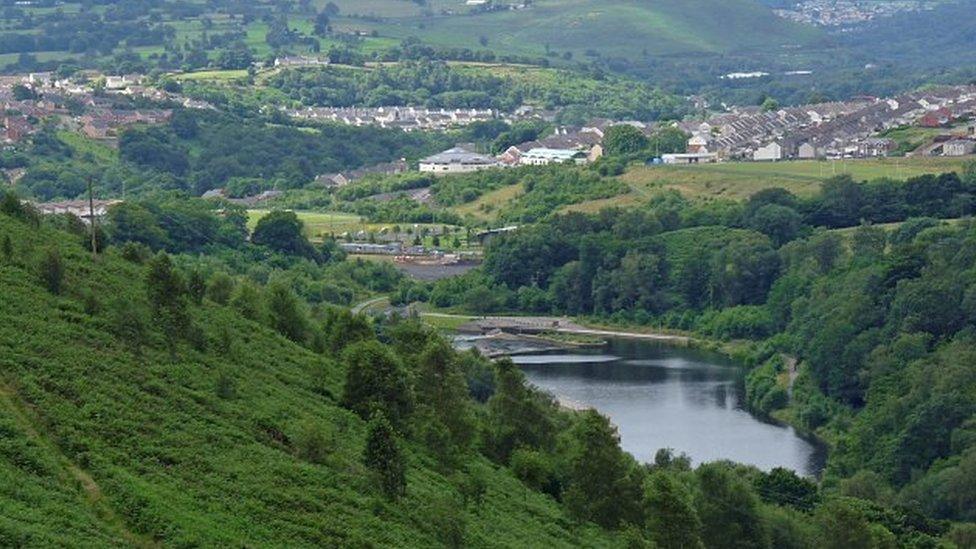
[[662, 396]]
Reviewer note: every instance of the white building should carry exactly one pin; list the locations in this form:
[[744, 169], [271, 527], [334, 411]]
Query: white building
[[690, 158], [958, 147], [770, 152], [807, 151], [543, 156], [457, 160]]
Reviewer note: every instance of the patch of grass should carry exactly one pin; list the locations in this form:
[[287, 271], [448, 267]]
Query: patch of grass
[[739, 180]]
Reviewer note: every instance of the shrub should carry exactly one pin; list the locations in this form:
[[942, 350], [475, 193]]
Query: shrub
[[312, 442], [221, 288], [52, 271], [135, 252]]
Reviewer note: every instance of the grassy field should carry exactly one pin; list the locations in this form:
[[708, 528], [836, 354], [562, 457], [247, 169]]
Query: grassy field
[[612, 27], [739, 180], [322, 224], [485, 207]]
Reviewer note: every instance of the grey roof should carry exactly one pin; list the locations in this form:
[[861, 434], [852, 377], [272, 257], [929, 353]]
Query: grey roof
[[458, 155]]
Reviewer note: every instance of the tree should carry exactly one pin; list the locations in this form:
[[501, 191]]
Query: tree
[[220, 288], [516, 416], [342, 328], [128, 321], [383, 456], [167, 299], [376, 381], [52, 271], [785, 488], [286, 314], [600, 488], [623, 139], [842, 526], [780, 223], [7, 248], [728, 509], [671, 517], [442, 396], [283, 231], [248, 302], [196, 286]]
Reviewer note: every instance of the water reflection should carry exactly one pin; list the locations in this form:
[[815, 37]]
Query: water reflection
[[667, 397]]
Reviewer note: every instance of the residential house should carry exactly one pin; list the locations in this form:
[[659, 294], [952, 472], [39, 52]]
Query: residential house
[[936, 119], [770, 152], [697, 144], [807, 151], [301, 61], [876, 146], [81, 209], [958, 147]]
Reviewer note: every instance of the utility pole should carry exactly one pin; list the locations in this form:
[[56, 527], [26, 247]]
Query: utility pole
[[91, 218]]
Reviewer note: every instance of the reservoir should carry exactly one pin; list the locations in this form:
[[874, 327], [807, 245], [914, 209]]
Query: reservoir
[[662, 396]]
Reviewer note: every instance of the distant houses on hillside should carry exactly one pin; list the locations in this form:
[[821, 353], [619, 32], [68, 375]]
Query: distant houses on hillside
[[848, 129]]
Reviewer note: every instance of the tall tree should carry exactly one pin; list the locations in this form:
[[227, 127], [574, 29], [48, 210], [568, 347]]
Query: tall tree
[[671, 517], [442, 397], [601, 487], [383, 456], [516, 415], [167, 298], [376, 380]]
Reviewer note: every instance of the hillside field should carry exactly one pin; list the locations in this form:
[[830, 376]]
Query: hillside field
[[108, 443], [733, 181], [626, 28]]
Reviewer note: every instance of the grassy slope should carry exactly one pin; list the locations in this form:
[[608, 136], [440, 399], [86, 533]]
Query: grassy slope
[[731, 181], [172, 462], [613, 27]]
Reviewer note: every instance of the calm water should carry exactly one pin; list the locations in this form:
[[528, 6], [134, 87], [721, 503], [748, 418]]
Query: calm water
[[667, 397]]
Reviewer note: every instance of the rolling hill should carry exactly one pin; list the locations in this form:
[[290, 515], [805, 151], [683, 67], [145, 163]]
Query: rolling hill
[[105, 444], [612, 28]]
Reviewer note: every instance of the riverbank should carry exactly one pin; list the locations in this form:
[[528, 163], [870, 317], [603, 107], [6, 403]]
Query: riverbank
[[560, 331]]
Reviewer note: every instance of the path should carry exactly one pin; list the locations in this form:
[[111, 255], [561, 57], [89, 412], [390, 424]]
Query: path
[[69, 471], [360, 307], [791, 368], [556, 324]]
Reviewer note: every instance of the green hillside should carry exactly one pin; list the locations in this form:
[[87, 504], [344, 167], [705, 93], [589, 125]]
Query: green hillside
[[108, 443], [626, 28]]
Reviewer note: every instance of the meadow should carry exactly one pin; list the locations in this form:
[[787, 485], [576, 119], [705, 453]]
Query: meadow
[[613, 27]]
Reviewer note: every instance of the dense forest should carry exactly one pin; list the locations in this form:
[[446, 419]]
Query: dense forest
[[273, 420]]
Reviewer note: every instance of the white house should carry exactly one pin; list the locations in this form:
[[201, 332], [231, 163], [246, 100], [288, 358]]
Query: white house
[[457, 160], [542, 156], [807, 151], [958, 147], [690, 158], [770, 152]]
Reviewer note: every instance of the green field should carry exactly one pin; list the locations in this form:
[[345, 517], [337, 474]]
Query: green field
[[739, 180], [613, 27], [733, 181], [319, 225]]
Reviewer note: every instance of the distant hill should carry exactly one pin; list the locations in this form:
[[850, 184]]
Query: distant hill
[[625, 28]]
